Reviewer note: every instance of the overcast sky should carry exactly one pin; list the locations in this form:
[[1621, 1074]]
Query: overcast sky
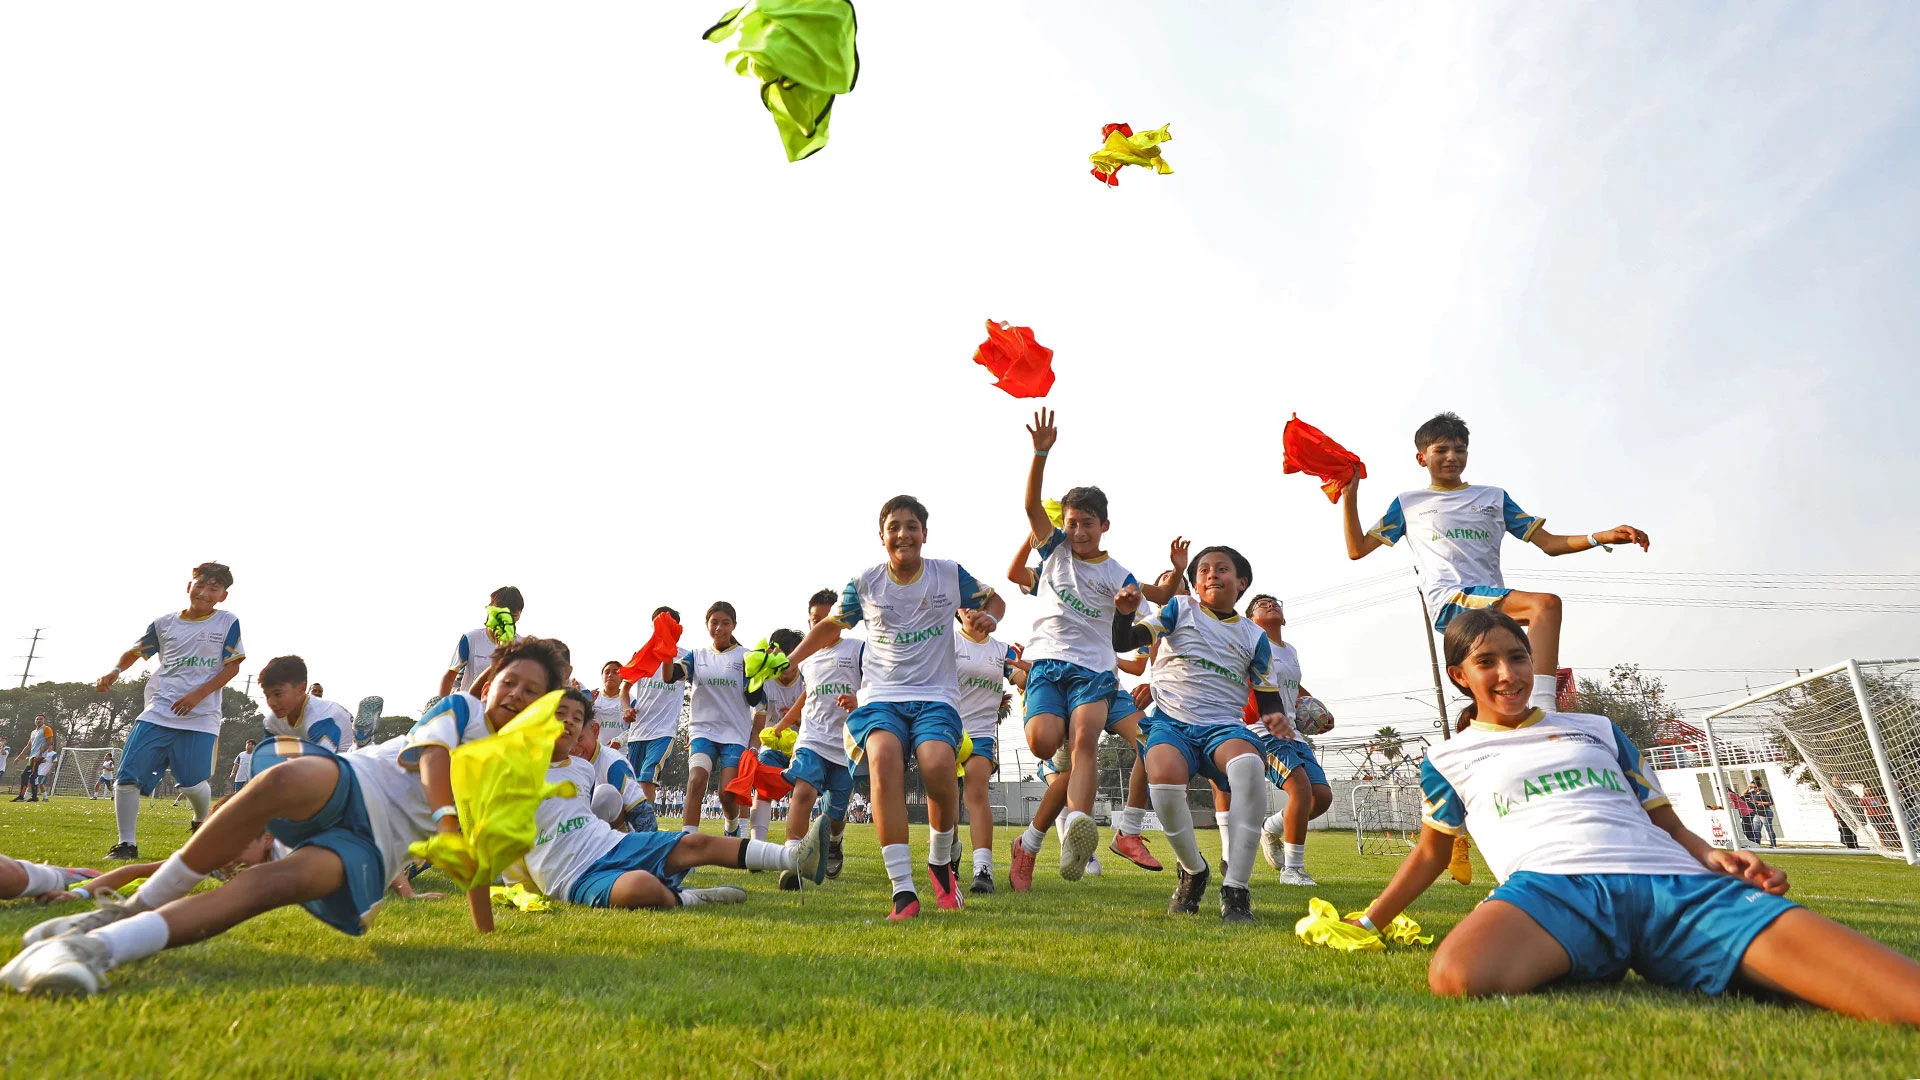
[[388, 305]]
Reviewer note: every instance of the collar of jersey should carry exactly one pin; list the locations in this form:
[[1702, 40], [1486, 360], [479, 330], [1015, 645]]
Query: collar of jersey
[[1457, 487], [1235, 617], [916, 577], [186, 615], [1102, 557], [1533, 717]]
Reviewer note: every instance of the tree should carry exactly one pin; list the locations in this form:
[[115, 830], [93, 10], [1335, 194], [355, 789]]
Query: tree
[[1635, 702], [1824, 714]]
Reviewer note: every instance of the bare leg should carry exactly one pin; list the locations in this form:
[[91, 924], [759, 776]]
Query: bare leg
[[1052, 801], [1305, 801], [1819, 961], [979, 807], [943, 787], [295, 789], [1497, 949], [1137, 777], [800, 810], [13, 878], [1222, 799], [639, 889], [1045, 733], [704, 849], [308, 874], [696, 796], [1089, 722], [650, 789], [729, 805], [1540, 614], [886, 773]]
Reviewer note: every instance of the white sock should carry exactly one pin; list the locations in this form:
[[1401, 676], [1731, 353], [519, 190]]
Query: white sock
[[172, 881], [1176, 818], [940, 848], [1221, 818], [132, 938], [1032, 839], [764, 856], [792, 846], [982, 859], [200, 798], [43, 879], [762, 814], [1296, 855], [899, 862], [1132, 820], [126, 810], [689, 828], [1248, 775], [1544, 697], [731, 827]]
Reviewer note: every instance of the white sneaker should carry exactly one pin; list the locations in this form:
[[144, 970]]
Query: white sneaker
[[810, 857], [72, 965], [717, 894], [1273, 842], [1296, 875], [1078, 841], [110, 909], [1093, 866]]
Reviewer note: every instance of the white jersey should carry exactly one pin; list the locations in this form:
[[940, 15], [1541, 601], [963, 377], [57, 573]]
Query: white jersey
[[1285, 669], [611, 767], [656, 702], [611, 711], [984, 668], [568, 839], [389, 774], [471, 655], [908, 656], [722, 707], [1075, 623], [780, 697], [1205, 663], [320, 721], [1563, 793], [1455, 536], [242, 767], [832, 671], [191, 651]]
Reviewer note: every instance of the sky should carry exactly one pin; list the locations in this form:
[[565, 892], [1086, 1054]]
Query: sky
[[389, 305]]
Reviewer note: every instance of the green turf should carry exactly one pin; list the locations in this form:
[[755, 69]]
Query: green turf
[[1087, 979]]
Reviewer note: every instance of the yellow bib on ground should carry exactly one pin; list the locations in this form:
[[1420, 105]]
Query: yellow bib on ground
[[1323, 926]]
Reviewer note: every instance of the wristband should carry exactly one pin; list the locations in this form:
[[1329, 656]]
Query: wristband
[[1594, 541], [1368, 923], [119, 671], [1039, 453], [446, 812]]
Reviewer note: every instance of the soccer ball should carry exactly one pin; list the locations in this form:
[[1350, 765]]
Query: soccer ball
[[1310, 717]]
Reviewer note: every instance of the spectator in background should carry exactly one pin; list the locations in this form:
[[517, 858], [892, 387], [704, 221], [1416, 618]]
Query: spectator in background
[[1762, 804], [1745, 809], [43, 774], [316, 691], [103, 778], [5, 752], [242, 770], [30, 761]]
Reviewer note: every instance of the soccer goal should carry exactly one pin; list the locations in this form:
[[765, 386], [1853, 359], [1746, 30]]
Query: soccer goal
[[1386, 817], [1847, 742], [77, 772]]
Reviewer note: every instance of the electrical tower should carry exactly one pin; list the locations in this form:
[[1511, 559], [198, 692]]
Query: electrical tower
[[33, 649]]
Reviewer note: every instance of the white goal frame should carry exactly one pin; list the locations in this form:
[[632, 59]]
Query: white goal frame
[[1394, 830], [78, 773]]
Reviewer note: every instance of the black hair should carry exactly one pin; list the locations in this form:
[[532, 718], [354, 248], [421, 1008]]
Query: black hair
[[218, 573], [575, 694], [508, 597], [566, 654], [614, 664], [787, 640], [904, 502], [721, 607], [1240, 564], [1463, 633], [824, 596], [1088, 499], [284, 670], [1444, 426], [668, 610], [1257, 597], [542, 651]]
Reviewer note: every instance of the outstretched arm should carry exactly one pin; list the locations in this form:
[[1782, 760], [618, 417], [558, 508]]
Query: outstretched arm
[[1044, 434], [1423, 866], [436, 775], [1554, 544], [816, 640], [1359, 544], [1745, 865], [127, 660], [1163, 587]]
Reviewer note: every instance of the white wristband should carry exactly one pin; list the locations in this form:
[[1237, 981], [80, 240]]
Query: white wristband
[[1594, 541], [1368, 923], [119, 671], [445, 812]]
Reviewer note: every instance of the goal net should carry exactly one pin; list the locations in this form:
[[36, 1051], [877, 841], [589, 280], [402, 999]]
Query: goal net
[[77, 772], [1386, 817], [1847, 742]]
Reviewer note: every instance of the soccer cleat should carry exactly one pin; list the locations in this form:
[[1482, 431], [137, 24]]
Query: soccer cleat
[[835, 860], [1191, 890], [644, 819], [1273, 845], [1021, 875], [1235, 905], [906, 905], [1078, 841], [945, 894], [1296, 875], [63, 966], [108, 908], [982, 883], [714, 894], [124, 850], [1461, 867], [1134, 850], [810, 861], [789, 881]]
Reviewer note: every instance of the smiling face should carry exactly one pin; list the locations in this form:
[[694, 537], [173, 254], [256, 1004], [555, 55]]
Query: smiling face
[[520, 685], [1085, 531], [720, 629], [203, 594], [573, 721], [1445, 461], [610, 678], [903, 532], [1498, 674], [1216, 582]]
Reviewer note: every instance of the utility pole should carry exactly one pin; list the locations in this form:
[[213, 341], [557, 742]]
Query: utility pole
[[33, 649], [1433, 657]]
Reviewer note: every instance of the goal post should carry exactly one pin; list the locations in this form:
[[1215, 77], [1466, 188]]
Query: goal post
[[1386, 816], [77, 771], [1839, 769]]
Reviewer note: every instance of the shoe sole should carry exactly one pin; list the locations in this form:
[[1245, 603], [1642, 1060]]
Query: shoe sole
[[1077, 844], [818, 834], [67, 980]]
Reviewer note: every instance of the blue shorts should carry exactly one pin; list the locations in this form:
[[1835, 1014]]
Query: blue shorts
[[645, 756], [912, 722], [724, 755], [152, 749], [1468, 599], [834, 779], [1285, 755], [983, 747], [1197, 744], [1057, 688], [1686, 931], [275, 749], [343, 828], [636, 851]]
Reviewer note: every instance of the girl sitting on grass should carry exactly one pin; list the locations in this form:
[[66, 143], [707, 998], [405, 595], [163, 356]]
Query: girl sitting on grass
[[1597, 873]]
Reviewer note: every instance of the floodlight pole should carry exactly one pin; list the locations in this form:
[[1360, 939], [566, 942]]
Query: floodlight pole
[[1433, 658], [1895, 803]]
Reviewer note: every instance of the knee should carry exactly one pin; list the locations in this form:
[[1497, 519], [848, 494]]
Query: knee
[[1322, 799], [1549, 606], [1448, 977]]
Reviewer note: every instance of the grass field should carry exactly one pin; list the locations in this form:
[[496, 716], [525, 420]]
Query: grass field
[[1087, 979]]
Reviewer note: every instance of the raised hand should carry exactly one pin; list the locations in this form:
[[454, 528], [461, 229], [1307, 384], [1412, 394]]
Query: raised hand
[[1177, 553], [1127, 600], [1625, 534], [1043, 432]]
